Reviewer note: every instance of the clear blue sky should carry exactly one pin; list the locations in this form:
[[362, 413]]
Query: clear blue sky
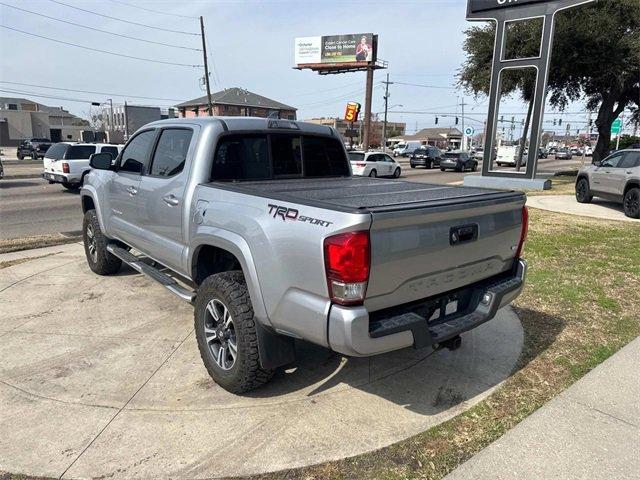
[[252, 47]]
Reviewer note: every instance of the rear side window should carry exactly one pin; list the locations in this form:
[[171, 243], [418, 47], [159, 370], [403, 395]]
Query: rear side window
[[287, 155], [323, 157], [135, 156], [80, 152], [171, 152], [630, 160], [356, 156], [242, 158], [112, 150], [57, 151]]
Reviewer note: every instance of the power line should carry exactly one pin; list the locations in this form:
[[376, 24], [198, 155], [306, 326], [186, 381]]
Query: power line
[[101, 51], [67, 99], [92, 92], [123, 20], [153, 11], [99, 30], [424, 86]]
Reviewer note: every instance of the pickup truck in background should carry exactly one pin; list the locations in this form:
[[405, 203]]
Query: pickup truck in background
[[261, 225]]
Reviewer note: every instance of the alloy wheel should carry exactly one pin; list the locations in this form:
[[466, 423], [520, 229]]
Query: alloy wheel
[[92, 244], [632, 203], [220, 334]]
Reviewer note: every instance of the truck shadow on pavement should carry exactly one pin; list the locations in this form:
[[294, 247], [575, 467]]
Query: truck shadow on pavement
[[426, 381]]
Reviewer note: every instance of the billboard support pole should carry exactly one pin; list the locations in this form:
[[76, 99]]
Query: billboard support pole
[[367, 110]]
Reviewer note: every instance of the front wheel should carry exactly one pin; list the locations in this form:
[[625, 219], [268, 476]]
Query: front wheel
[[95, 246], [373, 173], [226, 333], [396, 174], [583, 193], [442, 169], [631, 203]]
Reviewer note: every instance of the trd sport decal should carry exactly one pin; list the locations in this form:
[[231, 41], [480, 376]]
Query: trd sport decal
[[291, 214]]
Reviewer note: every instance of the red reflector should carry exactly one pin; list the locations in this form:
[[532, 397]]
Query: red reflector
[[65, 168], [524, 231], [347, 259]]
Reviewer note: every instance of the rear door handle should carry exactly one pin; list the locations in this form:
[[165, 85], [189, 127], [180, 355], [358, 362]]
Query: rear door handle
[[171, 200], [132, 190]]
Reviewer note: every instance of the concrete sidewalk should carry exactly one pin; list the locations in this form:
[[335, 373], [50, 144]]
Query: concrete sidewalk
[[598, 208], [590, 431]]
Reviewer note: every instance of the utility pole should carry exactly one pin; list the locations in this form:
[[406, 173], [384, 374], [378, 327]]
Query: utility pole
[[386, 107], [206, 66], [111, 125], [464, 136], [126, 122]]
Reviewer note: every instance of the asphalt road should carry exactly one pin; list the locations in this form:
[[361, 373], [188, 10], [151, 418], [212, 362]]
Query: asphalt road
[[33, 207], [30, 206]]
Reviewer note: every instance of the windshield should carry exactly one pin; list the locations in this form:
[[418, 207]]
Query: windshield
[[80, 152], [422, 150], [356, 156], [57, 151]]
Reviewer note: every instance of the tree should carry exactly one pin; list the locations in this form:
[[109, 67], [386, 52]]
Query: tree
[[596, 56]]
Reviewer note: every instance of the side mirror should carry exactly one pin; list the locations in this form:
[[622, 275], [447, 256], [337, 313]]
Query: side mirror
[[597, 163], [101, 161]]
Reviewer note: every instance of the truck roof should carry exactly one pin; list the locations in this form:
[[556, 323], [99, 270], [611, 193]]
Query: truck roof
[[250, 123]]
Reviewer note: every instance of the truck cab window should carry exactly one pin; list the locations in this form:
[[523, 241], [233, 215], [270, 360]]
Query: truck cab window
[[324, 157], [287, 155], [135, 156], [171, 152]]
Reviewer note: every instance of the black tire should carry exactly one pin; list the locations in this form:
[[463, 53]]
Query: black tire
[[95, 246], [583, 192], [428, 165], [631, 203], [474, 166], [413, 166], [396, 173], [373, 173], [224, 293], [71, 186], [20, 156], [442, 169]]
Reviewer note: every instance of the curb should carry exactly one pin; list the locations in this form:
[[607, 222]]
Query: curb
[[22, 176]]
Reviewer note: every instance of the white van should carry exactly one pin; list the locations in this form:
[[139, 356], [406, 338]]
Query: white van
[[507, 156], [404, 149], [68, 162]]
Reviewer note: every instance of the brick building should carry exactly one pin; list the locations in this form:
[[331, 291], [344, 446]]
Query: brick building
[[237, 102]]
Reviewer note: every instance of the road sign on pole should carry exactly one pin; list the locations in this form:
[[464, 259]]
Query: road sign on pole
[[616, 126], [468, 131]]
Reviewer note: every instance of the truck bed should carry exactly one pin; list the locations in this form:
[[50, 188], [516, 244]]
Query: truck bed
[[364, 194]]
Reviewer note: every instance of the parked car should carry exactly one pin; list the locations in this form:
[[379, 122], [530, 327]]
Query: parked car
[[33, 147], [588, 150], [577, 151], [542, 153], [261, 225], [374, 164], [404, 149], [564, 154], [426, 156], [616, 178], [507, 156], [477, 154], [553, 150], [458, 161], [68, 162]]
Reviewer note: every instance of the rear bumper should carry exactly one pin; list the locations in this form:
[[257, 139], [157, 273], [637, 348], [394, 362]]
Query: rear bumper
[[60, 177], [353, 331]]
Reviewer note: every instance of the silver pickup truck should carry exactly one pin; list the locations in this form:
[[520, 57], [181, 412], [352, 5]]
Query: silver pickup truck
[[260, 224]]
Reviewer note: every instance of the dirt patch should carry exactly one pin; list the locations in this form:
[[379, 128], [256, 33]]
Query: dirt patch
[[18, 261], [37, 241]]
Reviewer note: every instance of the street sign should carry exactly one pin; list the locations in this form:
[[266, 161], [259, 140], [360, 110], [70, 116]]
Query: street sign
[[616, 126], [468, 131]]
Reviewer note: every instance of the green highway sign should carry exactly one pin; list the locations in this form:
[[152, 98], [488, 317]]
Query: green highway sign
[[616, 126]]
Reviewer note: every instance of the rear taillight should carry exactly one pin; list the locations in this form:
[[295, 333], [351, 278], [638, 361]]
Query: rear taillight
[[65, 168], [361, 164], [347, 258], [523, 232]]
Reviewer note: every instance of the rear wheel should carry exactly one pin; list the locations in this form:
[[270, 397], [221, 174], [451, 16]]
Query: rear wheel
[[442, 169], [429, 164], [226, 333], [413, 166], [373, 173], [396, 174], [631, 203], [71, 186], [20, 156], [95, 246], [583, 193], [474, 166]]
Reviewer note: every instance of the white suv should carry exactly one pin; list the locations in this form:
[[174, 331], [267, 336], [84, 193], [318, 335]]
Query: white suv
[[373, 164], [68, 162]]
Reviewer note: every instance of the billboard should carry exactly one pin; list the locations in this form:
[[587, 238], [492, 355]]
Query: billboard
[[352, 111], [351, 48]]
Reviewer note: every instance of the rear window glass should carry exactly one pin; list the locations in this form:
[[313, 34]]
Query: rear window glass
[[260, 157], [80, 152], [57, 151], [112, 150], [451, 155], [356, 157], [40, 140]]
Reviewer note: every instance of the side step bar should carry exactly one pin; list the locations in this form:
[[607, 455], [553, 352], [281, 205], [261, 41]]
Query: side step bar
[[162, 278]]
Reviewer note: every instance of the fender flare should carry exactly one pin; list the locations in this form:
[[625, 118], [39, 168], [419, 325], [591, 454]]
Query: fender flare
[[238, 246], [90, 191]]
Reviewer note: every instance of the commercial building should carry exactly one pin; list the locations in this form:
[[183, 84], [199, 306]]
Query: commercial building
[[237, 102], [344, 128], [21, 118], [446, 137], [121, 121]]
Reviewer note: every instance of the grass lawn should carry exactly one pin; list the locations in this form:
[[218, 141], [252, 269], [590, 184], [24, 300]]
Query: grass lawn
[[36, 241], [580, 305]]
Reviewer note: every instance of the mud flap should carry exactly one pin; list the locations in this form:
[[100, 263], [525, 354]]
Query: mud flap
[[274, 350]]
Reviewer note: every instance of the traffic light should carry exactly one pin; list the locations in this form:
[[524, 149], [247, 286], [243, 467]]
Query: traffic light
[[502, 118], [513, 119], [436, 120], [560, 122], [456, 120], [554, 122]]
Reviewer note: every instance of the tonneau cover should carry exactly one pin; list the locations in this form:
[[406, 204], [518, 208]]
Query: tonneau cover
[[364, 193]]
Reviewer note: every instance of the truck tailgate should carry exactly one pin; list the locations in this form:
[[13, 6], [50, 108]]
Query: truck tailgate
[[423, 251]]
